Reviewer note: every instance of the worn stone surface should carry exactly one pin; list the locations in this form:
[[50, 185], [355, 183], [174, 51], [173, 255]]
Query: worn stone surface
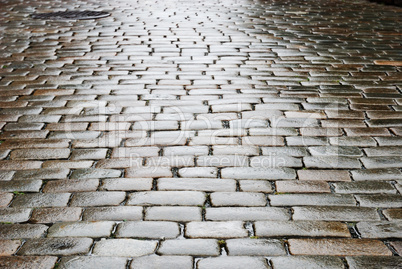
[[124, 247], [335, 213], [313, 262], [338, 247], [255, 247], [45, 262], [171, 198], [113, 213], [92, 262], [380, 229], [148, 229], [155, 262], [301, 228], [238, 199], [52, 215], [41, 200], [178, 123], [9, 247], [373, 262], [232, 262], [81, 229], [233, 229], [194, 247], [19, 231], [56, 246], [168, 213], [98, 198], [312, 199], [14, 214]]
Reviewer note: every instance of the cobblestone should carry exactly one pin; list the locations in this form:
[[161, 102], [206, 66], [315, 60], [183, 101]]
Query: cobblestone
[[215, 230], [45, 262], [92, 262], [337, 247], [232, 262], [154, 262], [201, 134], [194, 247], [301, 228], [56, 246], [124, 247], [81, 229]]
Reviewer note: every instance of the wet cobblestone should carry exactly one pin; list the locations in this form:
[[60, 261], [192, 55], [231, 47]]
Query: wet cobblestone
[[201, 134]]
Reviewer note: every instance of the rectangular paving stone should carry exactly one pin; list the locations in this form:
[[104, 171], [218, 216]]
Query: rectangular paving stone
[[379, 200], [377, 174], [71, 185], [312, 199], [56, 246], [232, 229], [21, 186], [364, 187], [209, 172], [34, 143], [299, 186], [155, 262], [301, 228], [338, 247], [126, 184], [117, 213], [331, 162], [275, 161], [371, 262], [311, 262], [41, 200], [389, 141], [95, 173], [20, 231], [15, 214], [81, 229], [232, 262], [148, 229], [135, 152], [8, 247], [196, 184], [172, 213], [92, 262], [124, 247], [255, 247], [382, 151], [100, 198], [52, 215], [258, 173], [238, 199], [382, 162], [380, 229], [19, 165], [335, 213], [43, 173], [246, 213], [170, 198], [14, 262], [39, 154], [149, 172], [255, 186], [193, 247]]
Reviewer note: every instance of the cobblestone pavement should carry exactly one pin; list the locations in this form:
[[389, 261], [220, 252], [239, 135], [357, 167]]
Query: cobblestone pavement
[[201, 134]]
